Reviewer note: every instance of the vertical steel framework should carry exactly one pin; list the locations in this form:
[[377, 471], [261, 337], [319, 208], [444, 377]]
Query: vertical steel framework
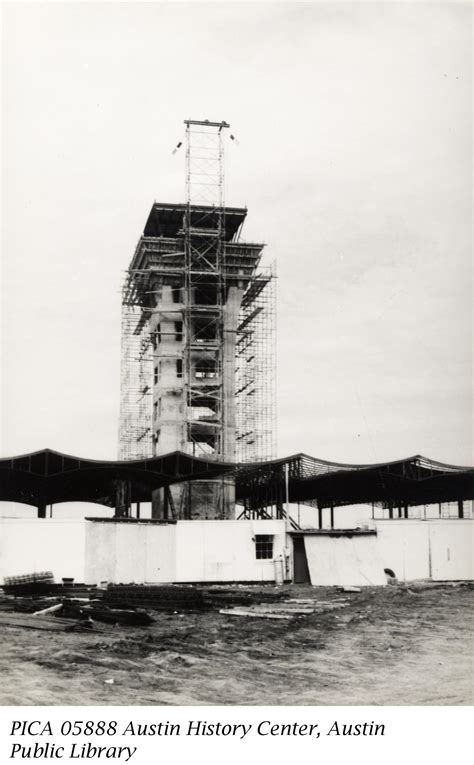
[[204, 284], [135, 426], [255, 370]]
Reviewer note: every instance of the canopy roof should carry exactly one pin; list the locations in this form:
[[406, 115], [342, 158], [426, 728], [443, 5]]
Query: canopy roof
[[167, 219], [49, 477], [416, 480]]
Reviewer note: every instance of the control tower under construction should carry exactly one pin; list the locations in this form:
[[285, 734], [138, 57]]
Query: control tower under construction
[[198, 315]]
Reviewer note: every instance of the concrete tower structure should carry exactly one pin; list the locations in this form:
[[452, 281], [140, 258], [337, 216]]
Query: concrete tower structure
[[187, 279]]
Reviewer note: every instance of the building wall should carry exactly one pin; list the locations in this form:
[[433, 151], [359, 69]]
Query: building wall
[[168, 390], [210, 499], [29, 545], [231, 320], [201, 551], [94, 551], [225, 551], [440, 550], [125, 553], [344, 560]]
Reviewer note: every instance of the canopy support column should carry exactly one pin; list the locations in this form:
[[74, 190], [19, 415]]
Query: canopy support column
[[122, 499], [166, 503]]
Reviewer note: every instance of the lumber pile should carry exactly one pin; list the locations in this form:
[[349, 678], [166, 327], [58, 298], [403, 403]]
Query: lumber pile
[[287, 609], [30, 621]]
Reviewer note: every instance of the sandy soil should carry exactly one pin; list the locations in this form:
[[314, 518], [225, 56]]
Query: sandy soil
[[392, 645]]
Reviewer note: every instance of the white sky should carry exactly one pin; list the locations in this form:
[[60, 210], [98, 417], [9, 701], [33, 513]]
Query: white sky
[[354, 122]]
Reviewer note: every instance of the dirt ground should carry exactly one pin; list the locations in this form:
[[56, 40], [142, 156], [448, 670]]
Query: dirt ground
[[391, 645]]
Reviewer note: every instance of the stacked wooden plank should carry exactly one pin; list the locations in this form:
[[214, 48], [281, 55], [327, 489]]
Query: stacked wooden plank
[[49, 623], [287, 609]]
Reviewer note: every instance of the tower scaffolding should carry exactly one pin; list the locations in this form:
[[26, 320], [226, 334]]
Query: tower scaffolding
[[255, 370], [198, 336], [135, 433], [204, 288]]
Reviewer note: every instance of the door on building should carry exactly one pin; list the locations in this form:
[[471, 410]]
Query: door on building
[[300, 562]]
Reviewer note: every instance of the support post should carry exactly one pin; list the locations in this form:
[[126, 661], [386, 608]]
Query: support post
[[460, 509], [332, 516], [279, 504], [138, 510], [42, 510], [122, 499], [320, 517]]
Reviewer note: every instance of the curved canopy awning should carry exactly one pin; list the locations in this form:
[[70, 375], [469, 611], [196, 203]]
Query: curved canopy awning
[[48, 477], [413, 481]]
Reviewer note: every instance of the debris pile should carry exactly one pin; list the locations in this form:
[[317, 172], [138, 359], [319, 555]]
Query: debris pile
[[182, 597], [34, 601], [156, 597], [290, 608]]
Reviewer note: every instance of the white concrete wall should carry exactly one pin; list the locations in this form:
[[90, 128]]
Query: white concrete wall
[[224, 551], [404, 548], [344, 561], [201, 551], [125, 553], [452, 550], [42, 544], [441, 550]]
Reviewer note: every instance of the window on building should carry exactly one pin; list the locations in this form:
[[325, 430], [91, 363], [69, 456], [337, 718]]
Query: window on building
[[155, 410], [179, 367], [158, 333], [205, 294], [264, 546], [178, 328], [206, 369], [176, 294], [204, 330], [155, 375]]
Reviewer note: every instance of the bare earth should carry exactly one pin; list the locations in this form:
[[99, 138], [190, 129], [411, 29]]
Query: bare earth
[[386, 646]]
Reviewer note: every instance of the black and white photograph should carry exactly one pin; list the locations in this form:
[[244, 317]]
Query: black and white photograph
[[236, 463]]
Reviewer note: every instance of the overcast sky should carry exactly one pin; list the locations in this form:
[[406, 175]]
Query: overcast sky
[[354, 159]]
